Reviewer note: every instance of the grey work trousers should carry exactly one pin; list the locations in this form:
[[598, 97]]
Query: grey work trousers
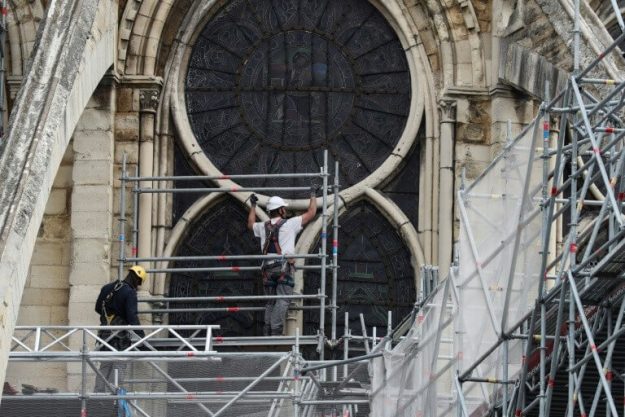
[[108, 371], [276, 309]]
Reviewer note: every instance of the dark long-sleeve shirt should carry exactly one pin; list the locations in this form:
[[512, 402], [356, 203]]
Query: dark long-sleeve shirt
[[123, 304]]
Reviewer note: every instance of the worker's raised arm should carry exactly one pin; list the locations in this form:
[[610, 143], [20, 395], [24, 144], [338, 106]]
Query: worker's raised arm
[[312, 206], [251, 215]]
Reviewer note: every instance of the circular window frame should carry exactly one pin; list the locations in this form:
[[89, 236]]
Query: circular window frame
[[202, 162]]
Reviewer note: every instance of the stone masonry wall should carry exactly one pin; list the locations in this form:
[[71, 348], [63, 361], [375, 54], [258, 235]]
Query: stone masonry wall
[[46, 295]]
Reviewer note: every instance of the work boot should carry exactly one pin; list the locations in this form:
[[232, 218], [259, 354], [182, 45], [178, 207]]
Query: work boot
[[277, 331], [266, 330], [9, 390], [28, 389]]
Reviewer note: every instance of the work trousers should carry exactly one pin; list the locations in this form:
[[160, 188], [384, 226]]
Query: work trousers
[[276, 309], [107, 369]]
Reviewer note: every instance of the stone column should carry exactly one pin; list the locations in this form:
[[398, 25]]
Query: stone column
[[148, 104], [447, 110], [91, 212]]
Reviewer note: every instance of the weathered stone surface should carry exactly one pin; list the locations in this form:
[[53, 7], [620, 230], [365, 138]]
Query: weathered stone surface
[[84, 294], [88, 172], [63, 177], [57, 202], [49, 253], [127, 126], [45, 297], [89, 273], [96, 144], [91, 250], [49, 276], [91, 198], [55, 228], [529, 71], [91, 225]]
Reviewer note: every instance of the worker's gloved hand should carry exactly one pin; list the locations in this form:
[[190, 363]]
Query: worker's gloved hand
[[314, 189], [253, 199]]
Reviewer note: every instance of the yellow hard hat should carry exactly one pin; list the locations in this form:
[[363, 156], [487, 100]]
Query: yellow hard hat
[[140, 272]]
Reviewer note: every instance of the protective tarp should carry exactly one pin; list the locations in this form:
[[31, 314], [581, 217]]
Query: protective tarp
[[492, 289], [408, 378], [499, 261]]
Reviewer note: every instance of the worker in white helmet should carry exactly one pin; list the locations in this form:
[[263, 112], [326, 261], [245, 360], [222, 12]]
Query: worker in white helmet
[[277, 235]]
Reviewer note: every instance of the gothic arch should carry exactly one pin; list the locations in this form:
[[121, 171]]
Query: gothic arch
[[383, 258], [204, 235], [23, 20], [191, 215]]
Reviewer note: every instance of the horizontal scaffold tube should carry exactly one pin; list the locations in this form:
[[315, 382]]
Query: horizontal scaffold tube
[[225, 268], [216, 190], [233, 309], [226, 257], [330, 364], [226, 177], [259, 397], [231, 298]]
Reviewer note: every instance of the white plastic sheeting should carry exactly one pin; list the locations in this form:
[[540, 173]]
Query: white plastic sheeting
[[499, 261], [408, 378], [493, 288]]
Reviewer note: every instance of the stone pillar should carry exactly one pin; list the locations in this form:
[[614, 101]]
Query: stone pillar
[[91, 212], [147, 114], [447, 110]]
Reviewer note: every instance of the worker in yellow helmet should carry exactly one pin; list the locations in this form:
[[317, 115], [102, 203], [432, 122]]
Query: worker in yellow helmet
[[117, 306]]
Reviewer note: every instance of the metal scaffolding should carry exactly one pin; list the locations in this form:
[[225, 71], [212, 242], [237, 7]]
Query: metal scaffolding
[[188, 369], [563, 304], [140, 186], [527, 324], [537, 298]]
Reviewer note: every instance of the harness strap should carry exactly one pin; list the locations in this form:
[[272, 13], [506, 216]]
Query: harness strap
[[272, 234], [109, 297]]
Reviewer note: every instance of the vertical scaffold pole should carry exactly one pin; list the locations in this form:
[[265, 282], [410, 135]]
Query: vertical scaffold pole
[[83, 382], [571, 352], [573, 229], [504, 377], [545, 255], [296, 375], [122, 220], [324, 239], [135, 215], [346, 335], [335, 253], [576, 34]]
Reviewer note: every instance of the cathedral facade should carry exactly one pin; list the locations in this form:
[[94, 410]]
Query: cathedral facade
[[413, 99]]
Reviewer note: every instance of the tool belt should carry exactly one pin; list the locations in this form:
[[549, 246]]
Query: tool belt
[[117, 339], [278, 271]]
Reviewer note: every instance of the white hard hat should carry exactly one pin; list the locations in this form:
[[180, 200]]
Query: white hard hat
[[276, 202]]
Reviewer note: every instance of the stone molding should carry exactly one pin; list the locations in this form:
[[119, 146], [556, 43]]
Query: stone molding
[[447, 108], [149, 100]]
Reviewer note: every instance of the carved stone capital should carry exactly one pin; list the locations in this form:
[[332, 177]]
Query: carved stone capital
[[148, 100], [447, 109]]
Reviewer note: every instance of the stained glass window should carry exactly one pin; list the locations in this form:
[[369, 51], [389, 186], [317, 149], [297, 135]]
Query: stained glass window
[[271, 83]]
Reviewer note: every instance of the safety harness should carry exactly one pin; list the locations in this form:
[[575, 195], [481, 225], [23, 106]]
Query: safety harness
[[119, 340], [107, 302], [275, 271]]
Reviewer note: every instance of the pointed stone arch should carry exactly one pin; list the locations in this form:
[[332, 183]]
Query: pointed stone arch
[[203, 234], [379, 258]]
